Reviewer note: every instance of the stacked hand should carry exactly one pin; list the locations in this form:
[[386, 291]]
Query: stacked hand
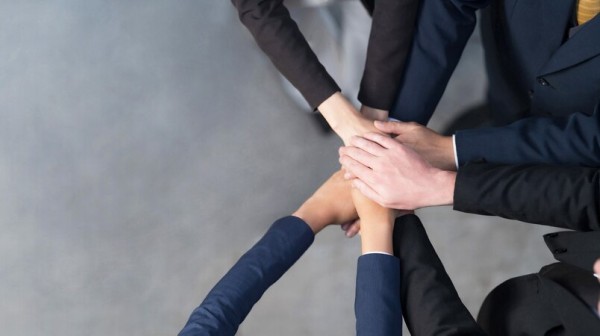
[[403, 172]]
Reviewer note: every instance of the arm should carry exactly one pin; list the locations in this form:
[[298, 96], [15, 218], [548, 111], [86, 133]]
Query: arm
[[573, 140], [442, 32], [430, 303], [279, 37], [229, 302], [566, 197], [389, 43], [377, 301]]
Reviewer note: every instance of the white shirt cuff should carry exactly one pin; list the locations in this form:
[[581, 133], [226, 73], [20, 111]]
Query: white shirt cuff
[[376, 252], [455, 153]]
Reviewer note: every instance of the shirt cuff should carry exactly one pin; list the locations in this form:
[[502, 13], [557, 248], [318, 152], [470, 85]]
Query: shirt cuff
[[455, 153], [377, 252]]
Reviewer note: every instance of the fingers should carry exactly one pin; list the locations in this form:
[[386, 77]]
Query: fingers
[[392, 127], [370, 146], [359, 155], [356, 168], [352, 228], [381, 140]]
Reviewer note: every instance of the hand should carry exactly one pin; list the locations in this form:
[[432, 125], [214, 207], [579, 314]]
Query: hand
[[394, 175], [330, 204], [436, 149], [344, 119]]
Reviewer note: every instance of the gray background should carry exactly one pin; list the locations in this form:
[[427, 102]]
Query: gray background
[[145, 145]]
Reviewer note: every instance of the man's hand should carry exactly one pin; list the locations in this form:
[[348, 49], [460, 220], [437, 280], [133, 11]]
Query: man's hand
[[436, 149], [394, 175], [330, 204]]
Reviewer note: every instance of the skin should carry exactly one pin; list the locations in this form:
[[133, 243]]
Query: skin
[[345, 120], [333, 203], [436, 149], [394, 175]]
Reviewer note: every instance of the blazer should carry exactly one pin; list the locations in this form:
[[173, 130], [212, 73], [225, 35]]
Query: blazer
[[552, 301], [278, 36], [430, 303], [535, 72], [377, 302]]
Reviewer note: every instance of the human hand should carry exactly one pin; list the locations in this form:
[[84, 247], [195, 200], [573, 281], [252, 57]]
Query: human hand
[[345, 120], [394, 175], [373, 113], [433, 147], [330, 204]]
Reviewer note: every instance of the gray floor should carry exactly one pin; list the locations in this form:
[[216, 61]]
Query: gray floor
[[144, 145]]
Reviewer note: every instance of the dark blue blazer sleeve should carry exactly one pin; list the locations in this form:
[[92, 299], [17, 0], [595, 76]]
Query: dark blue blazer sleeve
[[443, 29], [230, 301], [377, 302], [573, 140]]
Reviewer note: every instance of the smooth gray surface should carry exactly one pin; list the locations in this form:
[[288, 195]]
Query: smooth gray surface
[[144, 145]]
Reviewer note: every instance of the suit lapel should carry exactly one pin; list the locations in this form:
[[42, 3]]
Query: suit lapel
[[584, 45]]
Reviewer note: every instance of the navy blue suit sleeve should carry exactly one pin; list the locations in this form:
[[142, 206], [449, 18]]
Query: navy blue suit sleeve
[[443, 29], [573, 140], [232, 298], [377, 302]]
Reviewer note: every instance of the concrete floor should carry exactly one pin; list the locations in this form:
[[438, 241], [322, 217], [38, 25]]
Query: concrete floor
[[145, 145]]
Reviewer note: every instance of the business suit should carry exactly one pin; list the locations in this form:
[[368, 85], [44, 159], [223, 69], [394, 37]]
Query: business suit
[[412, 281], [535, 70], [562, 297], [377, 303], [279, 37]]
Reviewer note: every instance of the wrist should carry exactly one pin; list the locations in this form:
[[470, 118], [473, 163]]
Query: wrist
[[312, 219], [446, 150], [338, 112], [442, 190], [377, 237], [373, 113]]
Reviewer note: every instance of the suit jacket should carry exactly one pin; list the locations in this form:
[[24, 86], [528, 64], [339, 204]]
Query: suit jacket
[[430, 303], [377, 303], [535, 72], [279, 37], [559, 299]]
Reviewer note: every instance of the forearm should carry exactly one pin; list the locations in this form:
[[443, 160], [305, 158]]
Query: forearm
[[430, 303], [571, 140], [279, 37], [232, 298], [566, 197], [443, 30], [389, 43]]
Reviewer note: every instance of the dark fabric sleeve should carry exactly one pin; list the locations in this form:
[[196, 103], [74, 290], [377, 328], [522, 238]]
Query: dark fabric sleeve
[[389, 43], [560, 196], [232, 298], [442, 31], [377, 300], [574, 140], [430, 303], [279, 37]]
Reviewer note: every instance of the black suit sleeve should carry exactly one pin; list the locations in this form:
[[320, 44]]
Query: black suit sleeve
[[560, 196], [389, 44], [430, 303], [279, 37]]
